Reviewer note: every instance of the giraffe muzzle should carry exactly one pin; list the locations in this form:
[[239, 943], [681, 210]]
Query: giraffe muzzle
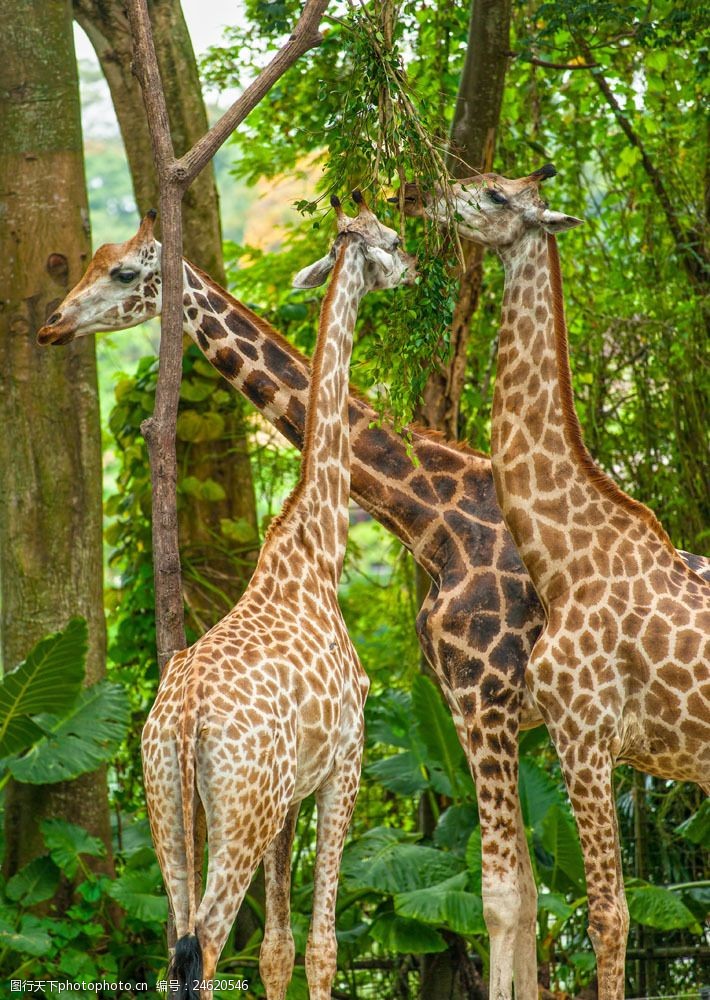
[[53, 332]]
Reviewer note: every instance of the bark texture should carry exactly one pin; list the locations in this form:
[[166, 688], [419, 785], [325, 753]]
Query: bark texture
[[50, 449], [471, 149]]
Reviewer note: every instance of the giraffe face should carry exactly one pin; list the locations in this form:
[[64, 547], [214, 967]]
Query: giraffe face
[[386, 265], [120, 289], [491, 210]]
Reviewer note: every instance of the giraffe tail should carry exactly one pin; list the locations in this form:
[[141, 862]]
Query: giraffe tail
[[186, 963], [186, 967]]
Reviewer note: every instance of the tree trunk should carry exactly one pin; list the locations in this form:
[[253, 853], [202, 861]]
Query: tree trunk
[[227, 460], [50, 448], [471, 149]]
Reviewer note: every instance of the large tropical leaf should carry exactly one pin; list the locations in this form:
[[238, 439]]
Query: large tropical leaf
[[559, 837], [31, 938], [49, 680], [386, 865], [697, 826], [79, 741], [455, 826], [66, 842], [446, 903], [446, 760], [404, 936], [474, 860], [400, 773], [139, 895], [658, 907], [389, 719], [34, 883], [538, 793]]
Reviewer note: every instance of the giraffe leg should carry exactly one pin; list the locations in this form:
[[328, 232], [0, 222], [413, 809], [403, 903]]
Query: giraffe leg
[[525, 958], [335, 801], [277, 951], [495, 771], [162, 781], [592, 797]]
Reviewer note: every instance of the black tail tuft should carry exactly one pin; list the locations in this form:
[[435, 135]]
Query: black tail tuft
[[186, 967]]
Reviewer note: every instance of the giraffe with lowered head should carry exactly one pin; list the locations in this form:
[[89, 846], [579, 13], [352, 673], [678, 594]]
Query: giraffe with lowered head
[[267, 707], [621, 671], [481, 616]]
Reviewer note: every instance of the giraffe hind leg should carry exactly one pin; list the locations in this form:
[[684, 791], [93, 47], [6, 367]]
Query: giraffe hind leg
[[277, 953]]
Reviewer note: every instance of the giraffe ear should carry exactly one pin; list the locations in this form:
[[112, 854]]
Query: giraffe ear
[[314, 274], [557, 222], [381, 257]]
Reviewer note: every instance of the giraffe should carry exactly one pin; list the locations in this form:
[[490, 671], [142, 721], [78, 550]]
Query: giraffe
[[621, 670], [481, 616], [267, 707]]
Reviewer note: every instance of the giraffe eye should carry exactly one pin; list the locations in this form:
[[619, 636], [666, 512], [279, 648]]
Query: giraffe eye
[[496, 197], [124, 275]]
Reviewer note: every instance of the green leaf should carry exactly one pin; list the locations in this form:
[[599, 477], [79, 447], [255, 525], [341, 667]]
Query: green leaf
[[66, 842], [195, 391], [538, 793], [455, 827], [81, 740], [559, 837], [404, 936], [435, 727], [655, 906], [202, 489], [49, 680], [31, 938], [446, 903], [238, 530], [137, 893], [34, 883], [554, 903], [192, 426], [403, 867], [474, 860], [697, 826], [401, 773]]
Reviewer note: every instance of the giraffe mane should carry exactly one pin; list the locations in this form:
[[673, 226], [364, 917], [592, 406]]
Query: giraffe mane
[[604, 483]]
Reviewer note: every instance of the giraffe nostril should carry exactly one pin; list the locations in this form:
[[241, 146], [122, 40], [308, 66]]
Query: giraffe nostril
[[54, 318]]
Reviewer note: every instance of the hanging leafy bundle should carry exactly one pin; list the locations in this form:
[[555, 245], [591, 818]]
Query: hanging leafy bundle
[[372, 133]]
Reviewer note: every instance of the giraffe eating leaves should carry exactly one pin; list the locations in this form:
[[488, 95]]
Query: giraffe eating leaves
[[267, 707], [621, 671]]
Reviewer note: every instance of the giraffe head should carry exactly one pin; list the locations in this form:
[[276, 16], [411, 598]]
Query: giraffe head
[[121, 288], [491, 210], [386, 266]]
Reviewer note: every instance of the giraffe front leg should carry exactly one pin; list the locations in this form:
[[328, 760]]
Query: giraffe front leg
[[494, 763], [592, 796], [277, 953], [335, 802], [525, 958]]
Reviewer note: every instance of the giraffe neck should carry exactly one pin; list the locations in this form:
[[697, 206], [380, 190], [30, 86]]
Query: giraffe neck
[[407, 497], [546, 481], [319, 502]]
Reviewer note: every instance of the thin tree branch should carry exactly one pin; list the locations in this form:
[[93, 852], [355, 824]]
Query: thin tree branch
[[175, 176], [305, 36]]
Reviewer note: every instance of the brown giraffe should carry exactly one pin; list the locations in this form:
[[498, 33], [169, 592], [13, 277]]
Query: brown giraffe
[[267, 707], [481, 616], [621, 671]]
